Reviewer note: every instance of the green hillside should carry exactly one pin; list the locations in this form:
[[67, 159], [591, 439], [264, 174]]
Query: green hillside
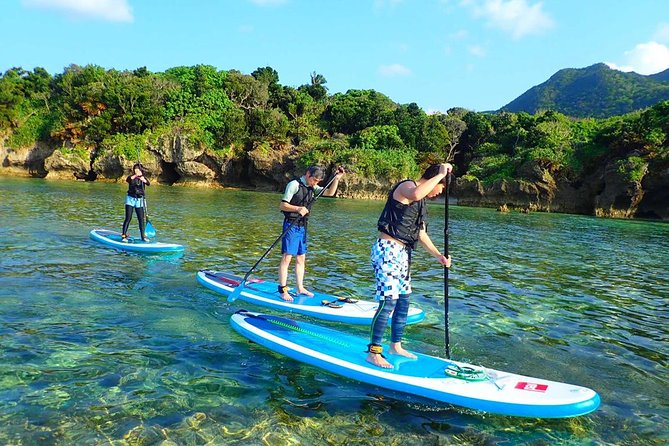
[[596, 91]]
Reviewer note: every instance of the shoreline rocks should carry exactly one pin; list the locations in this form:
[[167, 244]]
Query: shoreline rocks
[[170, 160]]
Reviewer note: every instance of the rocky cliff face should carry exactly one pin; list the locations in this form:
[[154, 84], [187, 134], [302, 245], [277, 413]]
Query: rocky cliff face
[[173, 159], [604, 193]]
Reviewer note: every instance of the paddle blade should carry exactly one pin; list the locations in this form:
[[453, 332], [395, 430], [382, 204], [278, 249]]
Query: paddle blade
[[150, 231], [235, 293]]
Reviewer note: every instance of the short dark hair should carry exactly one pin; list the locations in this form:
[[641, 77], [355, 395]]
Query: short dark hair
[[138, 166], [432, 172], [315, 172]]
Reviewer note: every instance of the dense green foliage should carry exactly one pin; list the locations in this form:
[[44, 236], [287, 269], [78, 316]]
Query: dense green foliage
[[596, 91], [92, 110]]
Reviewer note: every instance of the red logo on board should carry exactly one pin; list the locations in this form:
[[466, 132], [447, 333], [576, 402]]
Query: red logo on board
[[532, 387]]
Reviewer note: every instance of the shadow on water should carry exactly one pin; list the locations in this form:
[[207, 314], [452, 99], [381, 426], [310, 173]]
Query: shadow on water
[[105, 347]]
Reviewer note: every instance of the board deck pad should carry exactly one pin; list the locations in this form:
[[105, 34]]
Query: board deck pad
[[321, 305], [430, 377]]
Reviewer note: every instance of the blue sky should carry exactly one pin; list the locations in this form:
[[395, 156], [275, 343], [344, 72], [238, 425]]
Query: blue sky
[[477, 54]]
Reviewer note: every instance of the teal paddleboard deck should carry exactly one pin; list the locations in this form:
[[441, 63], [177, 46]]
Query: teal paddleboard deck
[[438, 379], [321, 305], [113, 239]]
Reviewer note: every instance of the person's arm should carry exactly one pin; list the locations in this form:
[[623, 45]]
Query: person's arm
[[141, 178], [332, 189], [409, 191], [285, 206], [426, 241]]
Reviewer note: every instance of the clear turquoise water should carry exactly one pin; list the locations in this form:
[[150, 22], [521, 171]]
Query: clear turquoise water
[[104, 347]]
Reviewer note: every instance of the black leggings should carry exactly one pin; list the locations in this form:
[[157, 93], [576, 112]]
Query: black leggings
[[128, 217]]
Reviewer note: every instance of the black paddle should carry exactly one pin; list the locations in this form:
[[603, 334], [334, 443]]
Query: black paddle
[[238, 290], [149, 230], [448, 184]]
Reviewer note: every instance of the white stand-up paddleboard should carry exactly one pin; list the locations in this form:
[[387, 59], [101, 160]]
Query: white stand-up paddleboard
[[321, 305], [113, 239], [438, 379]]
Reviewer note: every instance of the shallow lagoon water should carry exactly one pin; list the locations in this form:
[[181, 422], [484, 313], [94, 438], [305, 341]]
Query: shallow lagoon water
[[104, 347]]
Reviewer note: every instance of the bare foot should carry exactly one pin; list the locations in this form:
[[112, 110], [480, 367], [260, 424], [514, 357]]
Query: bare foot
[[396, 349], [378, 360], [305, 291], [287, 297]]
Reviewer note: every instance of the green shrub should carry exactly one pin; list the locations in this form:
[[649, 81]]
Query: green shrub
[[633, 168], [586, 156], [324, 152], [32, 130], [493, 168], [76, 152], [547, 156], [378, 137], [389, 164], [128, 146]]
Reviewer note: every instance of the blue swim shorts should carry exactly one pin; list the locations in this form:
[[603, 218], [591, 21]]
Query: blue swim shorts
[[134, 202], [294, 242]]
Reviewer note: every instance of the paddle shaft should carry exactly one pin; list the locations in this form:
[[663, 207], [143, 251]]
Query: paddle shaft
[[292, 223], [146, 208], [446, 337]]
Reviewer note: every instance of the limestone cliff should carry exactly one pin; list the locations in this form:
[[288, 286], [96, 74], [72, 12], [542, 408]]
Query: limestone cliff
[[605, 192], [174, 159]]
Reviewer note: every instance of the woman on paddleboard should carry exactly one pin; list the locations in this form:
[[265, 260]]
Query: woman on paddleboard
[[296, 204], [403, 223], [135, 200]]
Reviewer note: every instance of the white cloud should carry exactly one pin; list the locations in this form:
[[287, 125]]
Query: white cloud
[[109, 10], [516, 17], [625, 68], [394, 70], [662, 33], [460, 34], [476, 50], [645, 58]]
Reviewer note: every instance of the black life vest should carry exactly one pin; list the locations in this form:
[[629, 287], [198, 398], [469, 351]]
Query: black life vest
[[303, 197], [135, 187], [403, 221]]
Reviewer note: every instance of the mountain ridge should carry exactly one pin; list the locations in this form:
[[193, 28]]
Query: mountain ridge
[[597, 91]]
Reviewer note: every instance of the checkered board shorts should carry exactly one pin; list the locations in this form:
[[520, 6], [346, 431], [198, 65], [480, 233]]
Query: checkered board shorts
[[391, 269]]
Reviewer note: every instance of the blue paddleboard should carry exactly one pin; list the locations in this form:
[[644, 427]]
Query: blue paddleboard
[[438, 379], [321, 305], [113, 239]]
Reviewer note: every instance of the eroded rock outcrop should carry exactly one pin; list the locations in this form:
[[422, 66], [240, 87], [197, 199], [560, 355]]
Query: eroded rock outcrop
[[175, 159], [655, 201], [621, 196], [27, 161], [66, 164], [607, 192]]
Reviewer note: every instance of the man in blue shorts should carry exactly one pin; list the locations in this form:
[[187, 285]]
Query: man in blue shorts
[[296, 205], [402, 224]]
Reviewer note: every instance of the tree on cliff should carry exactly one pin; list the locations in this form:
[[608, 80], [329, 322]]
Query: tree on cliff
[[86, 107]]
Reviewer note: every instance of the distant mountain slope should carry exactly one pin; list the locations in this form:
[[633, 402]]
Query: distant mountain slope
[[596, 91]]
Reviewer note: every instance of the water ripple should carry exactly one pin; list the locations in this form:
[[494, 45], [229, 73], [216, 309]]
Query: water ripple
[[104, 347]]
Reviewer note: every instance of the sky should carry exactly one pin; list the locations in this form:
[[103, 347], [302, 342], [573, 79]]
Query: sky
[[476, 54]]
